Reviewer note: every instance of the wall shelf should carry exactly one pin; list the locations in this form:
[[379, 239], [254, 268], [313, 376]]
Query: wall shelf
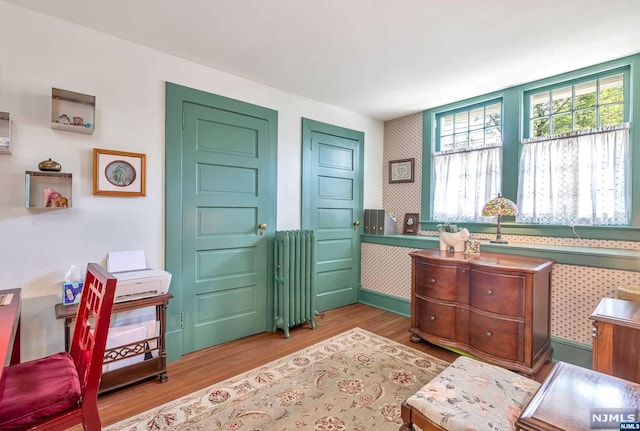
[[36, 182], [72, 112], [5, 133]]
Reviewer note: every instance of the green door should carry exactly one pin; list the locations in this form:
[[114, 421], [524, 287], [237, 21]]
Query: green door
[[332, 205], [227, 161]]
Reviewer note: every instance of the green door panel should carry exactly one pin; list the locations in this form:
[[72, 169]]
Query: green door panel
[[224, 179], [332, 203]]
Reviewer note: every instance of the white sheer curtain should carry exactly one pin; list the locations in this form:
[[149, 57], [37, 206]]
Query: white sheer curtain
[[464, 182], [578, 178]]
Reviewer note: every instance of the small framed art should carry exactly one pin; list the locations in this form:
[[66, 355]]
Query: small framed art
[[118, 173], [401, 171]]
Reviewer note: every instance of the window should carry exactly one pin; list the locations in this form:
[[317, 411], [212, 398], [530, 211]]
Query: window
[[575, 165], [579, 106], [467, 161], [578, 125]]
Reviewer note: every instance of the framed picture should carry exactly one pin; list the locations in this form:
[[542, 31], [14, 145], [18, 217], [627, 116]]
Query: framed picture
[[411, 223], [401, 171], [118, 173]]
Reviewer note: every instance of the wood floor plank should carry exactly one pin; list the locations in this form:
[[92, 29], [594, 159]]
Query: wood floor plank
[[205, 367]]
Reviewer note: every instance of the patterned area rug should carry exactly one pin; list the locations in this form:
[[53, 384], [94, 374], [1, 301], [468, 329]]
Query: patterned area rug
[[354, 381]]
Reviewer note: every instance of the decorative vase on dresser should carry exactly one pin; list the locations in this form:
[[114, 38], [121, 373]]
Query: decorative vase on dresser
[[495, 307]]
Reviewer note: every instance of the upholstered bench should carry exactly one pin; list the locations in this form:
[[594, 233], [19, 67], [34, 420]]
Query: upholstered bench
[[469, 395]]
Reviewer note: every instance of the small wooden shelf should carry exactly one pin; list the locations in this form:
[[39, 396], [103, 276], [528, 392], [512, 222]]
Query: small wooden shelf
[[5, 133], [36, 182], [72, 112]]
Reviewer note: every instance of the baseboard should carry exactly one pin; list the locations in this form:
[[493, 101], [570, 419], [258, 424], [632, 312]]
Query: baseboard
[[386, 302], [571, 352], [564, 350]]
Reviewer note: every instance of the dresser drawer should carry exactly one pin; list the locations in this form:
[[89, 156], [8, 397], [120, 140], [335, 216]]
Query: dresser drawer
[[436, 319], [435, 281], [499, 337], [497, 293]]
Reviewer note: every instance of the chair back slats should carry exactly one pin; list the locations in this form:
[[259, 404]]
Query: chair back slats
[[89, 340]]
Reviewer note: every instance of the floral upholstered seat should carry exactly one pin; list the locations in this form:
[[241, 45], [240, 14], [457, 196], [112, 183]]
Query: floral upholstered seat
[[470, 395]]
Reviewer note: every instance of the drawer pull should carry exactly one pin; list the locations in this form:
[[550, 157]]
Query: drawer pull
[[489, 292], [433, 281], [489, 334], [433, 317]]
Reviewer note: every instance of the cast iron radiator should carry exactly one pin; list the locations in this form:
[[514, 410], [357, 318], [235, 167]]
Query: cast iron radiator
[[295, 289]]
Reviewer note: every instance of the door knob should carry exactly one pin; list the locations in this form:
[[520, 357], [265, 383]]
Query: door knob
[[356, 223], [262, 226]]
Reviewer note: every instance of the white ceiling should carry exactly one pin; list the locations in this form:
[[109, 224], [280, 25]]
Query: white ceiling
[[382, 58]]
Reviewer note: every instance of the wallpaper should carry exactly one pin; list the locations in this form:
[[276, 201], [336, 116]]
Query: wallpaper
[[575, 290]]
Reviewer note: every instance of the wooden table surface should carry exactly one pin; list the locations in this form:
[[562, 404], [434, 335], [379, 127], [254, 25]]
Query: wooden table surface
[[570, 394]]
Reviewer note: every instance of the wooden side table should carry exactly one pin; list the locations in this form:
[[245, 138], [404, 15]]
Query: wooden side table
[[153, 347], [567, 397], [616, 338]]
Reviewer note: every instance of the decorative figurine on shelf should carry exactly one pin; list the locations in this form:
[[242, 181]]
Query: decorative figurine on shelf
[[54, 199], [49, 165], [452, 238]]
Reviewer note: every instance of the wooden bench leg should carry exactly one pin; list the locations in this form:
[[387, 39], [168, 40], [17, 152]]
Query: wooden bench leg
[[405, 414]]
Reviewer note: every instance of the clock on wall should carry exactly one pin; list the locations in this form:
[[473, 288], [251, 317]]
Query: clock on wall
[[411, 223]]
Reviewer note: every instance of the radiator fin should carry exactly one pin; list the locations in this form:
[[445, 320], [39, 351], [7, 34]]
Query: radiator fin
[[295, 290]]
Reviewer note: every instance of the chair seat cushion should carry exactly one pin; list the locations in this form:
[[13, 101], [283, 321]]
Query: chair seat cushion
[[35, 390], [473, 395]]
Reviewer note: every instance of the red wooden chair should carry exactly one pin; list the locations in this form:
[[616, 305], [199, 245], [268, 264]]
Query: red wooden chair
[[61, 390]]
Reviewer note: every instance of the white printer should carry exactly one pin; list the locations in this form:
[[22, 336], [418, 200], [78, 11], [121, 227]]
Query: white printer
[[135, 280]]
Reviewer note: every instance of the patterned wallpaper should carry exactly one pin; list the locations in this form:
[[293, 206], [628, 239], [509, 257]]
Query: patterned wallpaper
[[575, 290], [405, 134]]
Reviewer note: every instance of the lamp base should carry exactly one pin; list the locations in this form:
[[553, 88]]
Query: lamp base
[[499, 241]]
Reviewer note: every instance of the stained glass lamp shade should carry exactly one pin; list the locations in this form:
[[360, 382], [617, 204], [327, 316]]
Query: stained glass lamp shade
[[499, 207]]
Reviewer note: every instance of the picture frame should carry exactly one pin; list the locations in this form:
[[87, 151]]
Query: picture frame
[[401, 171], [119, 173], [411, 224]]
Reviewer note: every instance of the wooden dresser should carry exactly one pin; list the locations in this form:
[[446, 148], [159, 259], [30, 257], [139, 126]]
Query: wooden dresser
[[616, 338], [493, 306]]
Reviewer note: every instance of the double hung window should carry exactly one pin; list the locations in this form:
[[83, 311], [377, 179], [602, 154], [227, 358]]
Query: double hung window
[[467, 161], [574, 163]]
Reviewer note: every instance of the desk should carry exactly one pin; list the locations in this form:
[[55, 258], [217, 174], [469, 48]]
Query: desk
[[10, 329], [616, 338], [566, 397], [155, 366]]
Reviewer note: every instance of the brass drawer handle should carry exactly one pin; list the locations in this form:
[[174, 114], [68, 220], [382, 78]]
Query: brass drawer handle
[[489, 292], [489, 334], [433, 317]]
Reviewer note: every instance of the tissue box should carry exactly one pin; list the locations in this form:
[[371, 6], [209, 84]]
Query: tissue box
[[71, 292]]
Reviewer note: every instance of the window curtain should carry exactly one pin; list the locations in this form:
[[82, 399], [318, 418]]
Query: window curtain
[[579, 178], [463, 182]]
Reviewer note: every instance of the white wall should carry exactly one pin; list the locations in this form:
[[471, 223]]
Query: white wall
[[36, 248]]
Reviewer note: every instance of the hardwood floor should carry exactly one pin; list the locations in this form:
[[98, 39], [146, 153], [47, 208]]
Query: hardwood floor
[[206, 367]]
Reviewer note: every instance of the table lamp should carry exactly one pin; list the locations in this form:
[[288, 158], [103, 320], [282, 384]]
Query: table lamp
[[499, 207]]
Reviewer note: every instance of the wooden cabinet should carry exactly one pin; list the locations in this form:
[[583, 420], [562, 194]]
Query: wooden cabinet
[[493, 306], [616, 338], [153, 348]]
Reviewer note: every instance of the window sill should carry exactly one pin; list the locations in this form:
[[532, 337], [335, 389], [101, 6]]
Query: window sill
[[598, 257], [612, 233]]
